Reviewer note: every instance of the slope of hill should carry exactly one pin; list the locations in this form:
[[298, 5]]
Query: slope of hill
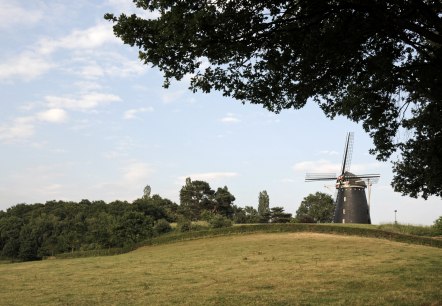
[[257, 269], [393, 233]]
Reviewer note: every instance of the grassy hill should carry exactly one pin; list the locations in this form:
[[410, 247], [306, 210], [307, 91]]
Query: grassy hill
[[283, 267]]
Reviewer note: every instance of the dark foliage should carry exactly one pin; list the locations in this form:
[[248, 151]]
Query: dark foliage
[[162, 227], [316, 208], [376, 62], [277, 215], [30, 232], [197, 197]]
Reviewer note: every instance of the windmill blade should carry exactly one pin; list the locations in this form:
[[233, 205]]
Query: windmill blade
[[348, 152], [369, 179], [372, 177], [310, 177]]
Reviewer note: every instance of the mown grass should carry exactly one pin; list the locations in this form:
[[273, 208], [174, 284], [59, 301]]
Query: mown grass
[[255, 269], [202, 230], [346, 229]]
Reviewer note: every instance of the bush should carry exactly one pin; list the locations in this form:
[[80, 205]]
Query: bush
[[409, 229], [184, 225], [304, 218], [162, 227], [438, 226], [218, 221], [207, 215]]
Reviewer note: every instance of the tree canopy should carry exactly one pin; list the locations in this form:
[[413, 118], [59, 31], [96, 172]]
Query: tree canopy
[[377, 62], [316, 208], [197, 197], [277, 215], [29, 232]]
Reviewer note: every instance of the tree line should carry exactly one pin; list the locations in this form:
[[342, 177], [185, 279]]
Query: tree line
[[29, 232], [35, 231]]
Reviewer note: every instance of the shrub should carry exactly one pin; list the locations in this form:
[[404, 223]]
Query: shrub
[[207, 215], [218, 221], [184, 225], [304, 218], [410, 229], [438, 226], [162, 226]]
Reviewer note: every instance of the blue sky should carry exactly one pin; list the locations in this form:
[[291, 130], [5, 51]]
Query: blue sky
[[82, 118]]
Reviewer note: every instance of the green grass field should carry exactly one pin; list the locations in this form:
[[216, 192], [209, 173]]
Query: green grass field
[[254, 269]]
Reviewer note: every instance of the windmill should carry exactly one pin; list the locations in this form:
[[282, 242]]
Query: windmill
[[351, 201]]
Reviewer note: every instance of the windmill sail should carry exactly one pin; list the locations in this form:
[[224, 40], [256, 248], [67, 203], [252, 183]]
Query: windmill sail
[[351, 201], [348, 152]]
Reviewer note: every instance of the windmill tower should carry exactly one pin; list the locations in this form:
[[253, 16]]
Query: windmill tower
[[351, 201]]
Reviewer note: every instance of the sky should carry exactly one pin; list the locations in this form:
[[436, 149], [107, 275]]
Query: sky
[[82, 118]]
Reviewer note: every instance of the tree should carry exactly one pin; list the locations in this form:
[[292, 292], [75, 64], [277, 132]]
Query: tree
[[264, 206], [223, 202], [376, 62], [195, 196], [134, 227], [169, 207], [239, 215], [316, 208], [10, 227], [149, 208], [251, 215], [146, 192], [277, 215]]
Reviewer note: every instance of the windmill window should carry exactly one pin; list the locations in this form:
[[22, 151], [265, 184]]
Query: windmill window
[[343, 211], [345, 199]]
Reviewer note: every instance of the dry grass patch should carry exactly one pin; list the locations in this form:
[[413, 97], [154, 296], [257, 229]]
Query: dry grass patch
[[258, 269]]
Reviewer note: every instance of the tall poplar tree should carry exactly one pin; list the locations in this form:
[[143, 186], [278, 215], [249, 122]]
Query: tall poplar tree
[[264, 206]]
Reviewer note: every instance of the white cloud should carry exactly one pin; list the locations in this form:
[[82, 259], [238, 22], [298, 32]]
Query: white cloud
[[24, 127], [91, 71], [128, 7], [208, 176], [91, 38], [321, 165], [134, 175], [125, 68], [136, 172], [366, 168], [83, 57], [51, 189], [25, 66], [87, 86], [84, 102], [53, 115], [132, 113], [11, 15], [21, 127], [230, 118], [97, 64], [327, 152]]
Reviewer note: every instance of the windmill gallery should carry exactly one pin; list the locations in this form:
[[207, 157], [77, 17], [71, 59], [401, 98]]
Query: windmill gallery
[[351, 200]]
